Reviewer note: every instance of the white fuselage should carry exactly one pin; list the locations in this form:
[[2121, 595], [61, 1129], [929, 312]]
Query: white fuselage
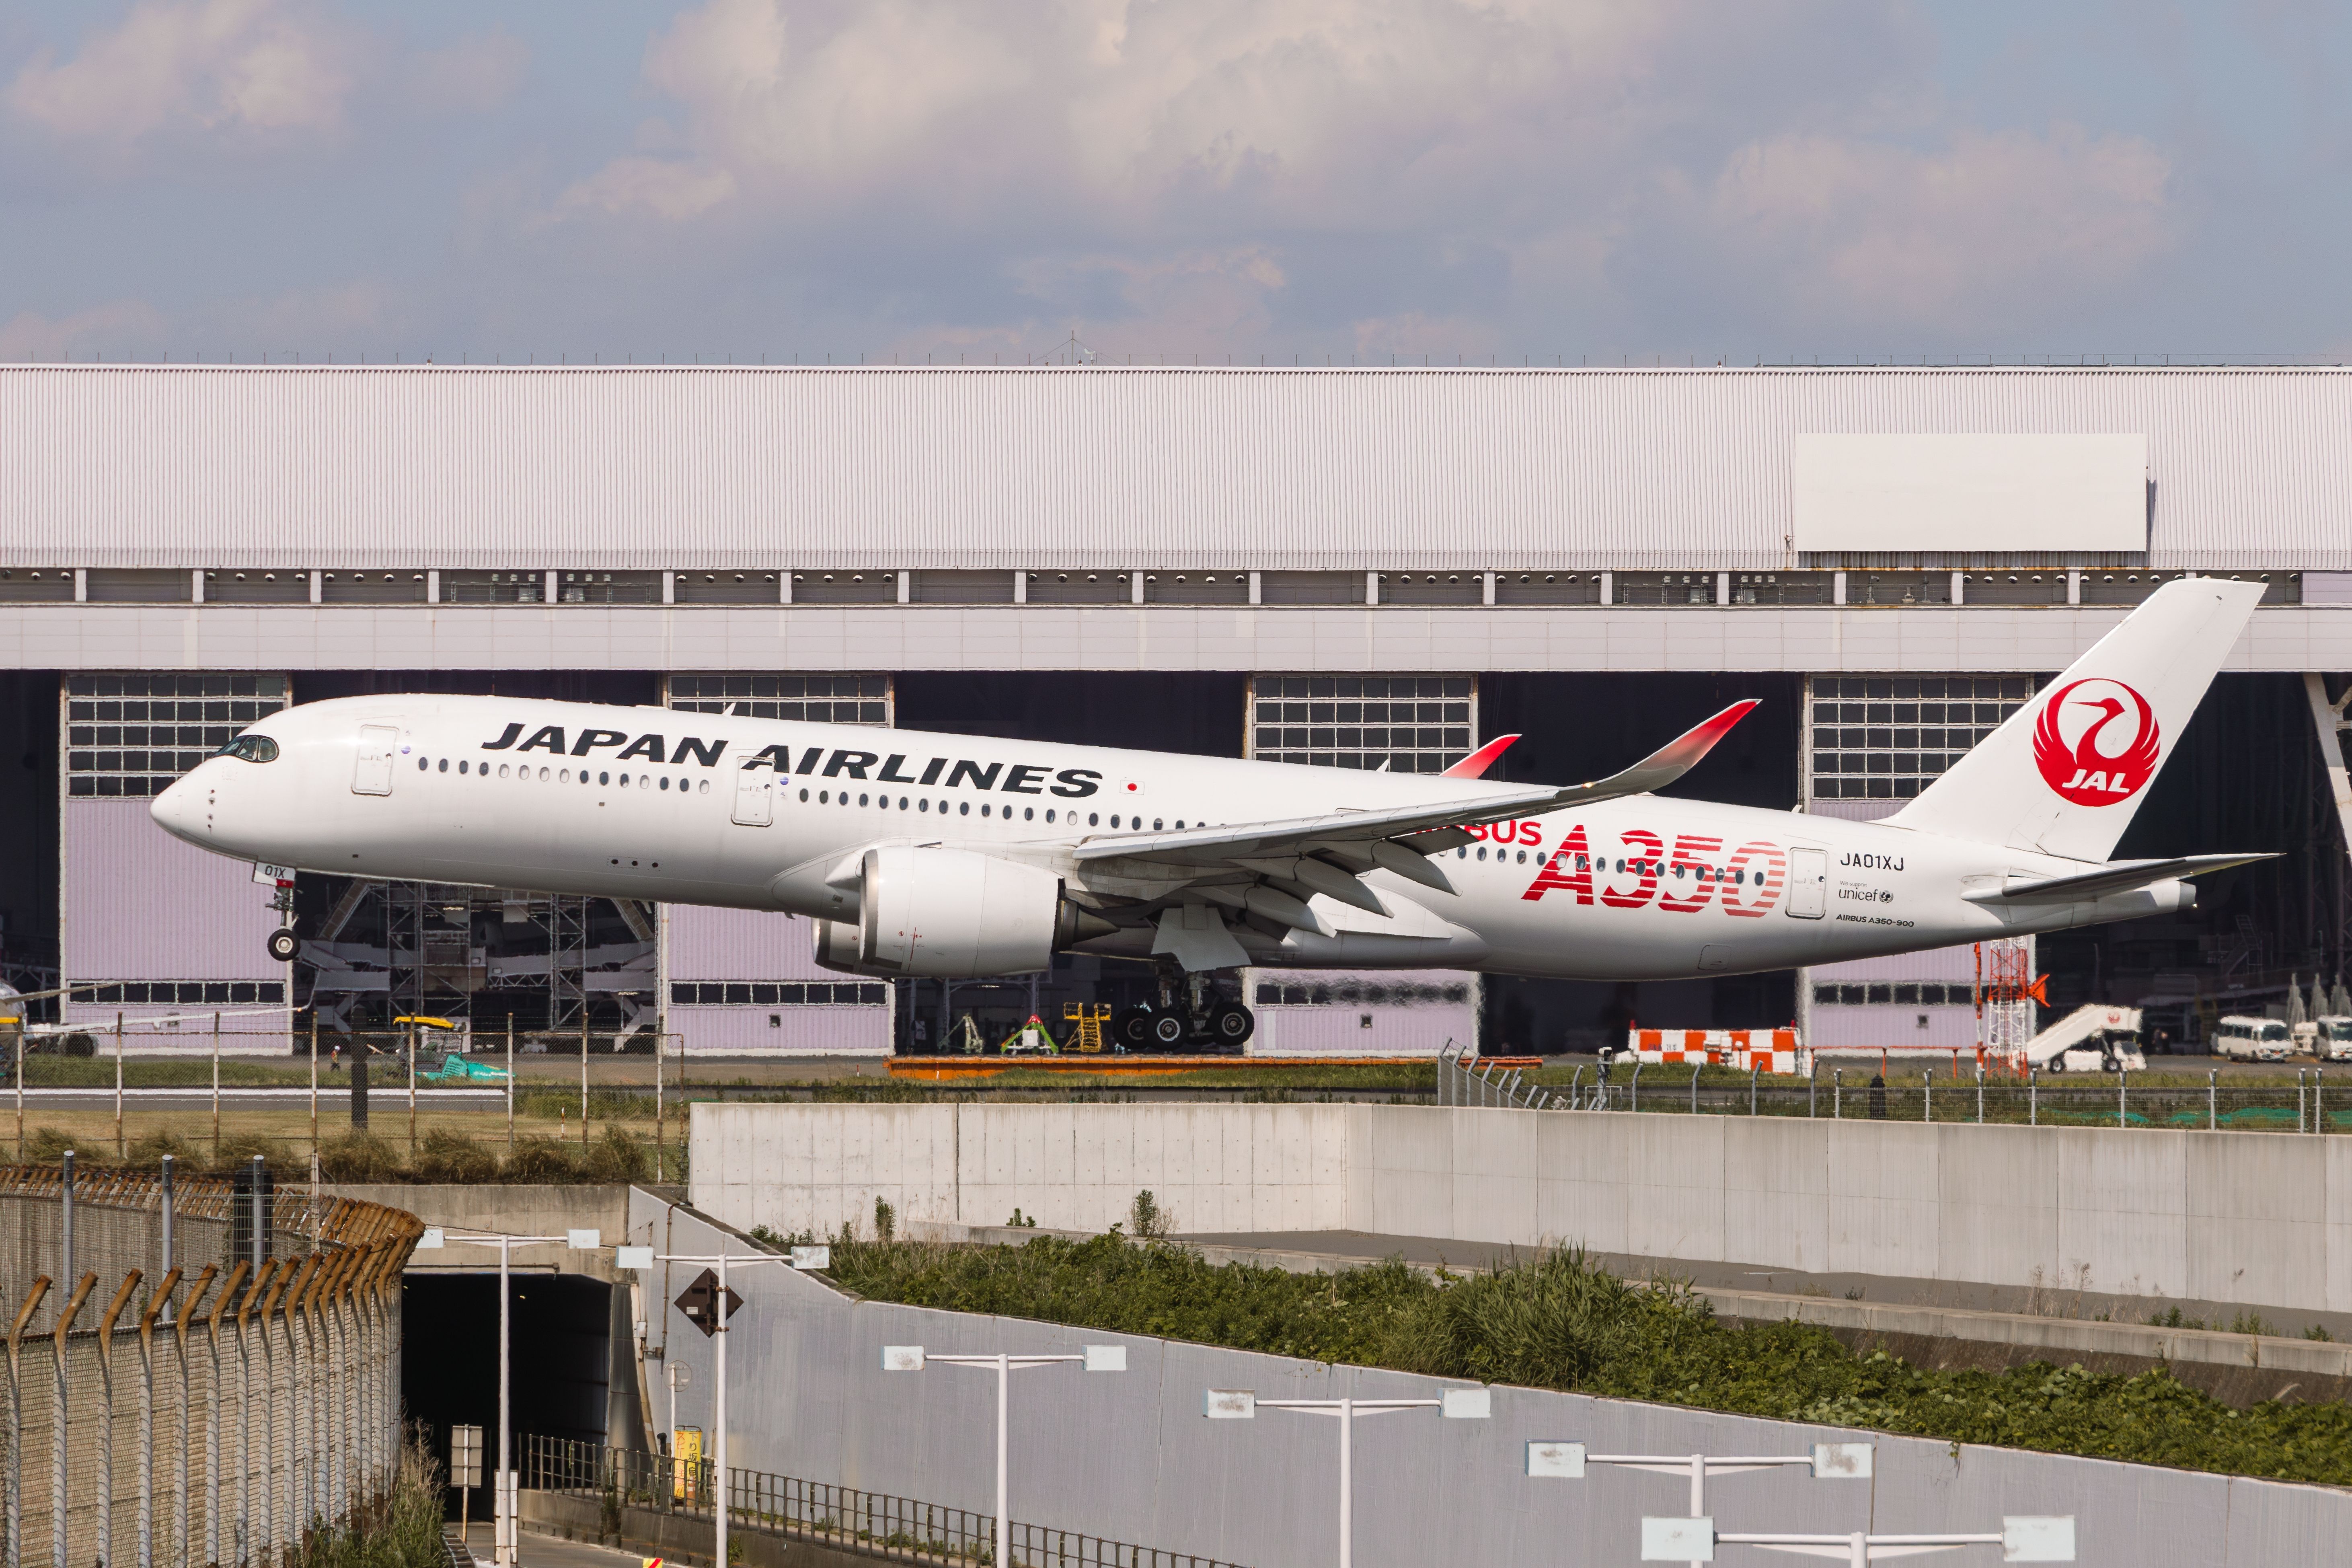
[[643, 803]]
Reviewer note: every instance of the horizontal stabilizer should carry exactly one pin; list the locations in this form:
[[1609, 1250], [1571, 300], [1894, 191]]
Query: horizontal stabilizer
[[2122, 877]]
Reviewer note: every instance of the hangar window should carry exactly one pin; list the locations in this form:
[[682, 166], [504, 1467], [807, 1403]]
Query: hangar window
[[814, 699], [1401, 725], [1875, 737]]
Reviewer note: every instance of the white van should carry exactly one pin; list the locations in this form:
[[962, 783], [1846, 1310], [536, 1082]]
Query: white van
[[2331, 1038], [2248, 1039]]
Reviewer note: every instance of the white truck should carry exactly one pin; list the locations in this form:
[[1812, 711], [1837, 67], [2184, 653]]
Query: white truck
[[2248, 1039], [2094, 1037], [2328, 1038]]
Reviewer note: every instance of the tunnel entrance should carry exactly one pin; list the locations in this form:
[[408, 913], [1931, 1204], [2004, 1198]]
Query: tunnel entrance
[[562, 1346]]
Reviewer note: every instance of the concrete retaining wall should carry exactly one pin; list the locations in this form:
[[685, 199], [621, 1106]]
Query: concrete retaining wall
[[1128, 1457], [2259, 1220]]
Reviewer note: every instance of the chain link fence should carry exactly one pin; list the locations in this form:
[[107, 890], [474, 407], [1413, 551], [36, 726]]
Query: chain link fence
[[2308, 1105], [846, 1519], [217, 1377]]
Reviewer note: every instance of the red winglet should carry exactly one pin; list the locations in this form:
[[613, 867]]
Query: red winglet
[[1475, 764], [1685, 750]]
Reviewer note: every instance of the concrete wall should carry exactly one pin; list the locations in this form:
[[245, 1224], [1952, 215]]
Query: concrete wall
[[1211, 1167], [2251, 1219], [1129, 1457]]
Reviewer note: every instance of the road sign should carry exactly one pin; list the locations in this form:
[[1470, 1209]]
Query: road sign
[[465, 1456], [699, 1302]]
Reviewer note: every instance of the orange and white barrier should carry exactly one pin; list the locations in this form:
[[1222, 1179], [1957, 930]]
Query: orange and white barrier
[[1765, 1050]]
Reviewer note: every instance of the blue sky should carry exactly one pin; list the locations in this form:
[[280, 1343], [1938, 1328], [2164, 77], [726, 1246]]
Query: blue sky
[[1210, 178]]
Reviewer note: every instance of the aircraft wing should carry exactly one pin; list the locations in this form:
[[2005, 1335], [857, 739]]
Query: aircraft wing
[[1425, 829], [2121, 877]]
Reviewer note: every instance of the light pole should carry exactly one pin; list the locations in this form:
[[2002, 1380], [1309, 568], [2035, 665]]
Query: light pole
[[502, 1492], [911, 1358], [1829, 1461], [1241, 1404], [2021, 1539], [799, 1258]]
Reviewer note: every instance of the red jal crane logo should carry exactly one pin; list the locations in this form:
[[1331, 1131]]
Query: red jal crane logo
[[2096, 742]]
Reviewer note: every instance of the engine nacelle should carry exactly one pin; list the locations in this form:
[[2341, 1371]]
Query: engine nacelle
[[953, 913]]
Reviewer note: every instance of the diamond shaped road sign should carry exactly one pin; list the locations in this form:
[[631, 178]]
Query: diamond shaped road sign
[[699, 1302]]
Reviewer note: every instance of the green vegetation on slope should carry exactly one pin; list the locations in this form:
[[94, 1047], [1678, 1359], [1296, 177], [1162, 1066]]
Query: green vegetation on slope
[[1555, 1321]]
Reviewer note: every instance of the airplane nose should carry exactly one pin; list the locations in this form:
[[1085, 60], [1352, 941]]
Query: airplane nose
[[179, 812]]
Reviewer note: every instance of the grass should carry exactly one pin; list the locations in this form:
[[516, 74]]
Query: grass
[[402, 1529], [1555, 1321]]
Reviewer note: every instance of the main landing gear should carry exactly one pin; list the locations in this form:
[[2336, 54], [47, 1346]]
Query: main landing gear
[[1189, 1017]]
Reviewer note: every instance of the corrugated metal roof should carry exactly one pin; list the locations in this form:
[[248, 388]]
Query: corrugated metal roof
[[646, 468]]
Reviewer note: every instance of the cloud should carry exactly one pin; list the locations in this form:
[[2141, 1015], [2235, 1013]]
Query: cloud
[[33, 336], [253, 66], [1926, 237], [473, 74]]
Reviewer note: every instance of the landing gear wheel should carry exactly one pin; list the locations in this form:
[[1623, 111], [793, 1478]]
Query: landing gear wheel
[[1131, 1030], [283, 945], [1169, 1029], [1231, 1025]]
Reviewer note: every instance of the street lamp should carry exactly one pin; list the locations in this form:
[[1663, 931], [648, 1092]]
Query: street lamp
[[1829, 1461], [502, 1495], [1241, 1404], [798, 1257], [2021, 1539], [912, 1358]]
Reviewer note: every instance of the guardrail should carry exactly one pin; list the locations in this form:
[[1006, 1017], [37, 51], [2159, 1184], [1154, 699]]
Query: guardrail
[[844, 1519], [2211, 1106]]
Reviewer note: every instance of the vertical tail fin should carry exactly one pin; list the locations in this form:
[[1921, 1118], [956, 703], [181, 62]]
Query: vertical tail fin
[[2068, 770]]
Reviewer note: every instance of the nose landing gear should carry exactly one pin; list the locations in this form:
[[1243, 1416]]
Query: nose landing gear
[[283, 945]]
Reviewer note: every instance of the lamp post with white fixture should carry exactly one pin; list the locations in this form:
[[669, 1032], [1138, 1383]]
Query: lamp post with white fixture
[[2021, 1539], [1241, 1404], [1828, 1461], [798, 1257], [913, 1358]]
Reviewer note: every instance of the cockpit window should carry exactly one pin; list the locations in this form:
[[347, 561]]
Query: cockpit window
[[250, 749]]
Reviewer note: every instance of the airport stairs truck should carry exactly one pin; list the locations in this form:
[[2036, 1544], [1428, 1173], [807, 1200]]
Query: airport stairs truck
[[2093, 1038]]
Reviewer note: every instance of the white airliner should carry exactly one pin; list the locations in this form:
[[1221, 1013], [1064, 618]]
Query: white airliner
[[929, 855]]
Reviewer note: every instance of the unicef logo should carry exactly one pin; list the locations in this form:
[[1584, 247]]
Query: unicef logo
[[2096, 742]]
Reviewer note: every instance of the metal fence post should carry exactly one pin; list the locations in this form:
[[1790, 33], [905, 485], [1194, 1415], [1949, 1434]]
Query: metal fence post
[[1980, 1094], [1695, 1072], [13, 1547], [1837, 1094], [2032, 1097], [58, 1414], [1752, 1086], [2212, 1095], [1634, 1099], [2318, 1100], [106, 1419], [2298, 1099], [2122, 1090]]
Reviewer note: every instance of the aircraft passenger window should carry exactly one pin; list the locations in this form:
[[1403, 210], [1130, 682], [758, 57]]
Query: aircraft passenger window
[[1114, 819], [964, 808], [1482, 852], [1028, 814], [1093, 818], [1523, 857], [861, 799], [422, 764], [803, 797], [461, 765], [584, 775], [502, 769], [1155, 825], [665, 783], [983, 809], [703, 788], [1049, 814], [919, 806], [824, 797], [601, 778], [902, 803]]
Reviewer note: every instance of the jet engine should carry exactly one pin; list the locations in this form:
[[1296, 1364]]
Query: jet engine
[[955, 913]]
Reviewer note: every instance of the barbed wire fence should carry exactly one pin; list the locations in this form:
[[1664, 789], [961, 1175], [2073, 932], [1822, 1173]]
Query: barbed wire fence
[[218, 1380]]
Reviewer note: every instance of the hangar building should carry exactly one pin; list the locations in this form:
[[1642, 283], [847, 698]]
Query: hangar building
[[1344, 568]]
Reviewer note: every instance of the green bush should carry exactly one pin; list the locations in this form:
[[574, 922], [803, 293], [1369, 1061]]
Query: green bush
[[360, 1156], [1557, 1320], [618, 1156], [401, 1529], [540, 1159], [239, 1147], [452, 1157]]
